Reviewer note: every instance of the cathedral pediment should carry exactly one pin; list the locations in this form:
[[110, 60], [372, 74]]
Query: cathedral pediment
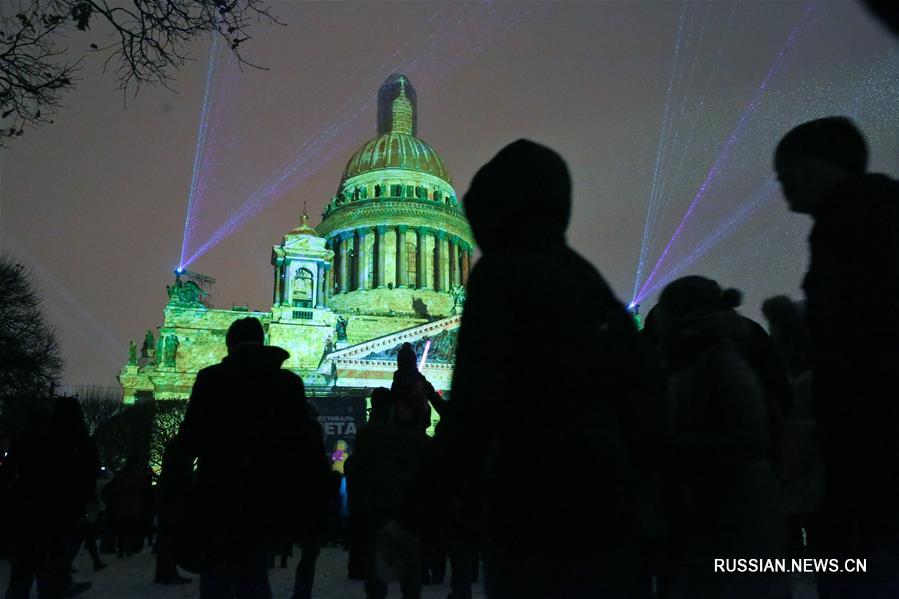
[[303, 244], [371, 364], [441, 333]]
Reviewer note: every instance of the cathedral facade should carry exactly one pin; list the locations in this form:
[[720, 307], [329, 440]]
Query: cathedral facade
[[387, 264]]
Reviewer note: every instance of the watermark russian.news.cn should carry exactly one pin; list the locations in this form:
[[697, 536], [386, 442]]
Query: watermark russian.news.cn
[[753, 565]]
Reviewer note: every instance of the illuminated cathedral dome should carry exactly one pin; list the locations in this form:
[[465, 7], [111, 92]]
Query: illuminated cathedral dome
[[396, 150], [401, 243], [396, 146]]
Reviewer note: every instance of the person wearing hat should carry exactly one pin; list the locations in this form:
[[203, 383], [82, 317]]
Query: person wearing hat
[[724, 392], [854, 244]]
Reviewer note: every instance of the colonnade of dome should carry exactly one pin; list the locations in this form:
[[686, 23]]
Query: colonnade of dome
[[395, 224]]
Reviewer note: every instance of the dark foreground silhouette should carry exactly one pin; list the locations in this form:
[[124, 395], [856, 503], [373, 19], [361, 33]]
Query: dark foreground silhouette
[[575, 456]]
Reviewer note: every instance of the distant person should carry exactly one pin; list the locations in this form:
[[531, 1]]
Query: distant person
[[89, 525], [724, 442], [319, 500], [407, 373], [246, 426], [388, 451], [125, 495], [176, 483], [852, 293], [545, 392], [49, 473], [358, 558]]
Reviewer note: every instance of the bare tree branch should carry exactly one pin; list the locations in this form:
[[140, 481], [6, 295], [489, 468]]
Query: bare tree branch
[[149, 42], [29, 352]]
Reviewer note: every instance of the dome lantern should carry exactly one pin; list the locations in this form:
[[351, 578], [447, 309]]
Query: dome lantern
[[402, 113]]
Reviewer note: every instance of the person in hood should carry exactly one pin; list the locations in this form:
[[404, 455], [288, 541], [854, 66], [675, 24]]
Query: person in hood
[[724, 388], [547, 389], [822, 166], [245, 425]]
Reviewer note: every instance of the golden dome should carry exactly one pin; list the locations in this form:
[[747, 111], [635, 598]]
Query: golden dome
[[396, 150], [398, 147], [304, 228]]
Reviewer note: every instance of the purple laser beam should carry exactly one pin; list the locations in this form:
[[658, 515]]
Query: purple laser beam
[[200, 151], [757, 200], [722, 156]]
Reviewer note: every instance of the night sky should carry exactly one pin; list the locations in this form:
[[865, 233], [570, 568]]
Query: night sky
[[657, 107]]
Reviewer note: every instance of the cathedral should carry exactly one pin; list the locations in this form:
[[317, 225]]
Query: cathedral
[[387, 264]]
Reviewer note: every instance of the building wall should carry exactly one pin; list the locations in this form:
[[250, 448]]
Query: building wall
[[383, 302], [304, 342]]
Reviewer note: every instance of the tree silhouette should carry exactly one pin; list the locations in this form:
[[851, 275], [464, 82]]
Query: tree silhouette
[[167, 418], [99, 404], [29, 352], [147, 40]]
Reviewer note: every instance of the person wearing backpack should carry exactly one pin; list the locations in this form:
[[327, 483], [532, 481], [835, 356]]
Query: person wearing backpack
[[246, 426]]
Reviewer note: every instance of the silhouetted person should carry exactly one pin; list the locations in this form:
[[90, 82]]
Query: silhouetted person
[[420, 396], [125, 496], [176, 482], [319, 499], [802, 494], [89, 525], [724, 498], [788, 327], [388, 451], [853, 272], [245, 424], [50, 471], [545, 394], [358, 558], [407, 372]]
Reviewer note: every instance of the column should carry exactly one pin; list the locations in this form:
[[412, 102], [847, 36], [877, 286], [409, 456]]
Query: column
[[320, 286], [344, 263], [328, 283], [422, 262], [329, 277], [454, 261], [276, 300], [466, 263], [381, 263], [360, 258], [439, 262], [401, 274]]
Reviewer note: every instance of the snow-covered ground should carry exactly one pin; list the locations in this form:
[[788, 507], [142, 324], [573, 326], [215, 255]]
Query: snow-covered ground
[[133, 577]]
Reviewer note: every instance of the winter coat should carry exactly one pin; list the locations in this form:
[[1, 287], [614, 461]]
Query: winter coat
[[246, 423], [851, 288], [725, 494]]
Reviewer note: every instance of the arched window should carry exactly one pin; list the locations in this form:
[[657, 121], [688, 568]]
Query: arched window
[[302, 288], [377, 191]]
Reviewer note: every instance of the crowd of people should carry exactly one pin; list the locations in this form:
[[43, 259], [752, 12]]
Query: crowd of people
[[590, 461]]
